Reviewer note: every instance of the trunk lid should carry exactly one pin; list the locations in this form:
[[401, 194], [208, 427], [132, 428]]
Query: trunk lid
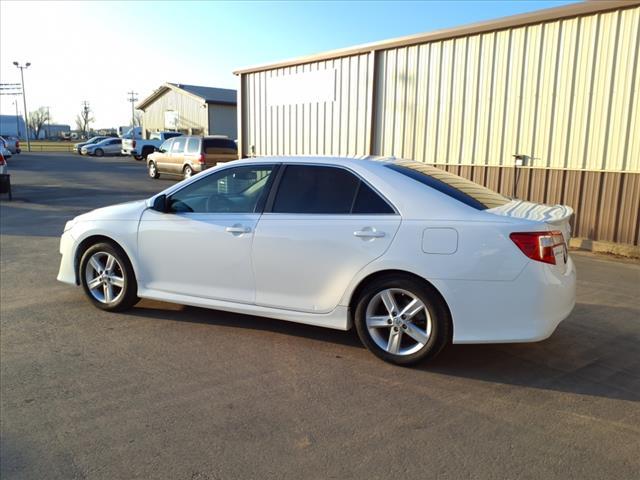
[[556, 218]]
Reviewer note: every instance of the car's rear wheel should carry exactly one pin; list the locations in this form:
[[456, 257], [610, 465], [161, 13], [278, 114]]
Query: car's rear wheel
[[402, 320], [107, 278], [187, 171], [99, 152], [137, 157], [153, 170]]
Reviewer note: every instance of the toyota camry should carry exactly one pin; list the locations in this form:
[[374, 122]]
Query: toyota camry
[[410, 255]]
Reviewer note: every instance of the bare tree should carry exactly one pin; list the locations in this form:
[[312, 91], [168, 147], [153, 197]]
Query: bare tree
[[137, 118], [37, 119], [84, 118]]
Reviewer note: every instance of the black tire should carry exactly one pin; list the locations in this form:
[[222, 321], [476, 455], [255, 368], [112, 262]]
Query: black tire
[[187, 171], [128, 297], [153, 170], [146, 152], [441, 325], [98, 152], [137, 157]]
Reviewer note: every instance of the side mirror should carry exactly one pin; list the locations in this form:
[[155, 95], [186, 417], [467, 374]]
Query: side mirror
[[161, 204]]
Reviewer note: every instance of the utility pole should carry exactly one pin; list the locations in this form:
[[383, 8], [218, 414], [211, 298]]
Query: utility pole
[[85, 113], [48, 123], [24, 99], [132, 98]]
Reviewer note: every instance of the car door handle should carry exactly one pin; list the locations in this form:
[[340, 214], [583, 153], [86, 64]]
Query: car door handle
[[237, 229], [368, 233]]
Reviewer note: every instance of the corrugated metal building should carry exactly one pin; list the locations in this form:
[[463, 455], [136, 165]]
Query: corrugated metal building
[[558, 88], [190, 109]]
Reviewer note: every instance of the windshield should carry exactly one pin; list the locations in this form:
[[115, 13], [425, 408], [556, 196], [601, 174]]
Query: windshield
[[463, 190]]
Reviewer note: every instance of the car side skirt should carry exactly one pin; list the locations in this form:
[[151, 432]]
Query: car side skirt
[[338, 319]]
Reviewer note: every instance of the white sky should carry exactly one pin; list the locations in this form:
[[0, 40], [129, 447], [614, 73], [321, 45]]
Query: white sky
[[95, 52]]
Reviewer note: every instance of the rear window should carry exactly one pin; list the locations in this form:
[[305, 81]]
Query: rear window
[[463, 190], [172, 134], [219, 145]]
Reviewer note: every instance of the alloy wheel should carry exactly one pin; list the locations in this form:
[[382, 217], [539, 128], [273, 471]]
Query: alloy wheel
[[398, 321], [105, 278]]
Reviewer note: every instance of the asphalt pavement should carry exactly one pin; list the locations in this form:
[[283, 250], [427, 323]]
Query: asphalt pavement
[[166, 391]]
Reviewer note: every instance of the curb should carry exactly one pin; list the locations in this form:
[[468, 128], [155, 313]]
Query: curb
[[621, 249]]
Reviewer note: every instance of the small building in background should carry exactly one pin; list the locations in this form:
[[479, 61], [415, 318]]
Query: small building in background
[[55, 131], [190, 109], [12, 125], [542, 106]]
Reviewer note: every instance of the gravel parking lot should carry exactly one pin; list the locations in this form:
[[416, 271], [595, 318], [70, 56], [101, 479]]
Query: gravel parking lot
[[166, 391]]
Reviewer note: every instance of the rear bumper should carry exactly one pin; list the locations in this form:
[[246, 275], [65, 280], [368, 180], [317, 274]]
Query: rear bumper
[[129, 151], [528, 309]]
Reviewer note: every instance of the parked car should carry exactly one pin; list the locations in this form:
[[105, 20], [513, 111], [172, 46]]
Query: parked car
[[11, 143], [141, 148], [108, 146], [4, 151], [188, 155], [413, 256], [78, 146], [5, 178]]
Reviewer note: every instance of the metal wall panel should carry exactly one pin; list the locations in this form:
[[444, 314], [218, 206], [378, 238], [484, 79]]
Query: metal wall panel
[[192, 113], [338, 127], [606, 204], [564, 93]]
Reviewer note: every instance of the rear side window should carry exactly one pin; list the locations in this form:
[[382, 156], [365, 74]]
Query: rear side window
[[463, 190], [219, 145], [193, 145], [309, 189], [369, 202], [171, 135]]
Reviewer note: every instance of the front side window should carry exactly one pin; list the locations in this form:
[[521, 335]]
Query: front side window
[[232, 190], [316, 189], [166, 145]]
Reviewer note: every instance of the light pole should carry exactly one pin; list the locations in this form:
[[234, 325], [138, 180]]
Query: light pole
[[24, 99]]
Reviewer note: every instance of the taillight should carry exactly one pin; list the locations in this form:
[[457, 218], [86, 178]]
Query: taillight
[[17, 144], [201, 160], [539, 245], [133, 144], [2, 162]]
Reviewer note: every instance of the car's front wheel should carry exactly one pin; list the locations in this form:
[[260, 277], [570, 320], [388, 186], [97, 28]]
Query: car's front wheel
[[153, 170], [402, 320], [107, 278]]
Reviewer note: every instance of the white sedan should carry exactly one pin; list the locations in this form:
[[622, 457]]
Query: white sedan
[[412, 256]]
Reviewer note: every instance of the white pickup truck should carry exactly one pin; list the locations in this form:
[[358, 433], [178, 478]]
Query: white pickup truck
[[139, 148]]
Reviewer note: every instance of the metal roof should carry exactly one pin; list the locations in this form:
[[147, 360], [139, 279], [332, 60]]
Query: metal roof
[[540, 16], [223, 96]]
